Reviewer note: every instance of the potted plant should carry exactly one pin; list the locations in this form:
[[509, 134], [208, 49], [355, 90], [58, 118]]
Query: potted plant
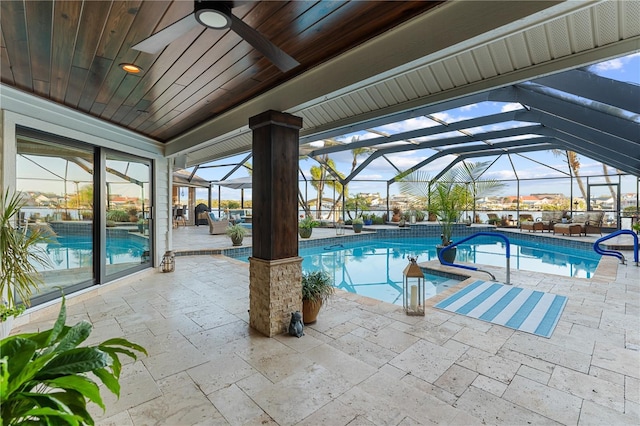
[[316, 289], [636, 227], [397, 214], [357, 224], [449, 196], [47, 378], [306, 225], [19, 256], [236, 232]]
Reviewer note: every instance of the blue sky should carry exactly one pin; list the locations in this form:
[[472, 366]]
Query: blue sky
[[536, 165]]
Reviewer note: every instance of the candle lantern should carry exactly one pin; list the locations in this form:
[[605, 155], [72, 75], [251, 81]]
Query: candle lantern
[[340, 227], [413, 289], [168, 263]]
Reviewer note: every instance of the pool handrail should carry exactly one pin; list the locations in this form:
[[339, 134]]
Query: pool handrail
[[473, 268], [614, 253]]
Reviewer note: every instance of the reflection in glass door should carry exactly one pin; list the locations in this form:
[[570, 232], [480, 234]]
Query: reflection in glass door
[[56, 182], [128, 191]]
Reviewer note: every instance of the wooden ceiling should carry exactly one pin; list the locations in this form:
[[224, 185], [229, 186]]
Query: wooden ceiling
[[69, 52]]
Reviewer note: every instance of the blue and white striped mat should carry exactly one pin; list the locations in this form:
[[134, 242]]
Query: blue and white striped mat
[[522, 309]]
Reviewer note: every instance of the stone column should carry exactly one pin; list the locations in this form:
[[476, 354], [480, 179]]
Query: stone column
[[275, 288]]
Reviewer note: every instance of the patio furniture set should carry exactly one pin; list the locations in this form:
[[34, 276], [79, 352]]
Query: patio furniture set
[[556, 221]]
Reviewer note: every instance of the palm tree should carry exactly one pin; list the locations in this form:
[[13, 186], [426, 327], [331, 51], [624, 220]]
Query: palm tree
[[355, 153], [574, 163], [452, 194], [319, 180]]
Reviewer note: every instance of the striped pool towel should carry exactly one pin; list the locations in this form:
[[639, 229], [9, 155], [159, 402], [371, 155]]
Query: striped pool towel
[[522, 309]]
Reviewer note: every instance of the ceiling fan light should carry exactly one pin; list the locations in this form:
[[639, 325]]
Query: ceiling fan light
[[214, 16]]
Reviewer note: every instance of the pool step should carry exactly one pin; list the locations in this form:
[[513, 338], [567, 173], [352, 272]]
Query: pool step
[[449, 283]]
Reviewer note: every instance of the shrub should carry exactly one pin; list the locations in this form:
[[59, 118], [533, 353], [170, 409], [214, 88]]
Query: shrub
[[118, 215]]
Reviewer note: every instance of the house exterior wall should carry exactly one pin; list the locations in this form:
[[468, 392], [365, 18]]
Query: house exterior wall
[[18, 108]]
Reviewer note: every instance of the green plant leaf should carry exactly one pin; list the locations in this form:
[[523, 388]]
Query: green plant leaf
[[60, 322], [84, 385], [76, 335], [79, 360], [109, 380], [124, 342], [46, 412], [23, 379], [19, 351], [76, 403]]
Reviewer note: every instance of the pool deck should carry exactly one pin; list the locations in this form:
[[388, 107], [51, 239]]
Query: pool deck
[[364, 362]]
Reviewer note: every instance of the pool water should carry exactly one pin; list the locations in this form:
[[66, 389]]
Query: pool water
[[374, 268], [370, 271]]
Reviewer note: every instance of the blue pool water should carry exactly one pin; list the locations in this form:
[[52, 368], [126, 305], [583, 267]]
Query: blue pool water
[[374, 268]]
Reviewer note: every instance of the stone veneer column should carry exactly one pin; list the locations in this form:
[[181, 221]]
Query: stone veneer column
[[275, 269]]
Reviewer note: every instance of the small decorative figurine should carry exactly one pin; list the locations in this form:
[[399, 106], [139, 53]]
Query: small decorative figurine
[[295, 326]]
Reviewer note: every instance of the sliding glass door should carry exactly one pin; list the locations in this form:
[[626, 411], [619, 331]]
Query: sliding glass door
[[128, 220], [93, 203]]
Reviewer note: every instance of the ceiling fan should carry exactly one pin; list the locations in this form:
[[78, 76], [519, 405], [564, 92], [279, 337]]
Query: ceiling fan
[[217, 15]]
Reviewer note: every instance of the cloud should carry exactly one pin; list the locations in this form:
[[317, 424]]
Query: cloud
[[512, 106], [468, 107], [614, 64]]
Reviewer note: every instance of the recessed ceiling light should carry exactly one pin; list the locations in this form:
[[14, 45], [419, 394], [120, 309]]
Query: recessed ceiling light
[[131, 68]]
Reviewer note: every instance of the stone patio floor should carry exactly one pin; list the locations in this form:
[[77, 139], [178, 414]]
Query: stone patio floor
[[364, 362]]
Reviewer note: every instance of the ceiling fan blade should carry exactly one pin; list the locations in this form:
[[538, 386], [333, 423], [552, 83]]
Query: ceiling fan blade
[[158, 41], [276, 55]]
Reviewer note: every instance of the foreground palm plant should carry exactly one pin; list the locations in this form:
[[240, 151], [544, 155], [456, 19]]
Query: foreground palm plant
[[20, 252], [44, 377]]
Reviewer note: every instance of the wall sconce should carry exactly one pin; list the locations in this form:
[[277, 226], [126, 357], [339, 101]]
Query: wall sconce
[[413, 288]]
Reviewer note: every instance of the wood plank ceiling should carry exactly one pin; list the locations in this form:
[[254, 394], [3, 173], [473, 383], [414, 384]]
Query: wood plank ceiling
[[69, 52]]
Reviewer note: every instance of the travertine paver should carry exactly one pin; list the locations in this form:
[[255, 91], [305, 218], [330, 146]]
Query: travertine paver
[[588, 387], [364, 362]]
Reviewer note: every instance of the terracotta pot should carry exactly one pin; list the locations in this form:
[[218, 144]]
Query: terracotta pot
[[310, 311]]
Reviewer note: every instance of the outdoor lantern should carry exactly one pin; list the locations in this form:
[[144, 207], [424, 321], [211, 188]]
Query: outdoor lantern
[[340, 227], [168, 262], [413, 288]]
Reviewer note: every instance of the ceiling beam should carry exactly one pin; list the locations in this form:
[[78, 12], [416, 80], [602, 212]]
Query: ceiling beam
[[591, 86], [579, 113], [425, 131]]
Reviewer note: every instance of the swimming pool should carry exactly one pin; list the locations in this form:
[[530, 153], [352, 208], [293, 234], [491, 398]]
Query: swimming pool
[[374, 267]]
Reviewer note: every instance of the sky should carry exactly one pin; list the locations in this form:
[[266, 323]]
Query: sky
[[536, 165]]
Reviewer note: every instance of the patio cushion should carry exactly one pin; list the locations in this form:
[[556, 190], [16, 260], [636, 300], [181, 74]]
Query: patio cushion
[[213, 217]]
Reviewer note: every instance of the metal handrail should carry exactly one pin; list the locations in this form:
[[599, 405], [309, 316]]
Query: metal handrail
[[473, 268], [614, 253]]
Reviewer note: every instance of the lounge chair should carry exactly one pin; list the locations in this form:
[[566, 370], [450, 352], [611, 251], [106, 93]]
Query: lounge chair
[[546, 222], [590, 222], [217, 226], [529, 224]]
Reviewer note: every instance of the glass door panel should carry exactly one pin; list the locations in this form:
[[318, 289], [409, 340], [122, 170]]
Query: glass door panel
[[56, 181], [128, 191]]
